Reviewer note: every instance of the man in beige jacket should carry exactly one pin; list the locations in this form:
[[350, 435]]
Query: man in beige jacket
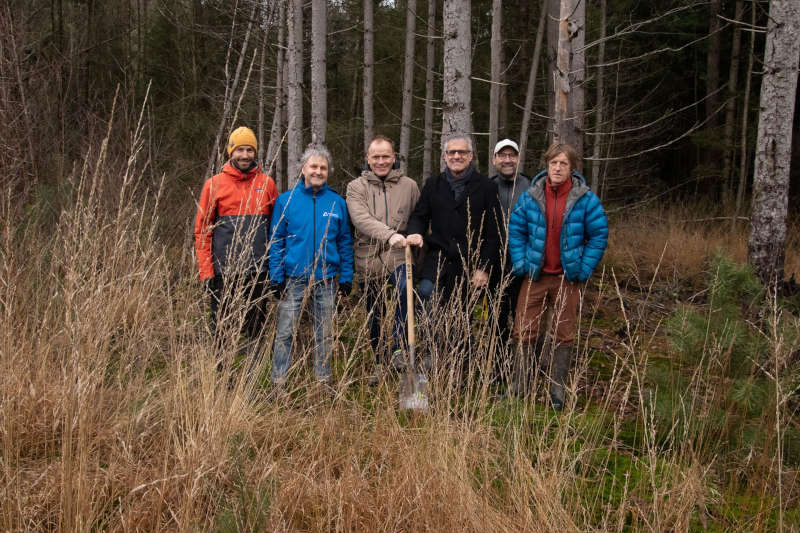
[[379, 203]]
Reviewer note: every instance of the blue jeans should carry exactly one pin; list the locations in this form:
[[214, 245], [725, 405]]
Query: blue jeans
[[323, 295], [376, 308]]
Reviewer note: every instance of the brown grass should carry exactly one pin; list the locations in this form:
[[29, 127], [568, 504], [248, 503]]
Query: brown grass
[[676, 242], [114, 417]]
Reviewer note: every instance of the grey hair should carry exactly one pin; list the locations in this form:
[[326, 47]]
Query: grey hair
[[317, 150], [458, 137]]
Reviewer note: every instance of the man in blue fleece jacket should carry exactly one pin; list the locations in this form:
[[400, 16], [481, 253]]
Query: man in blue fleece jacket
[[310, 247]]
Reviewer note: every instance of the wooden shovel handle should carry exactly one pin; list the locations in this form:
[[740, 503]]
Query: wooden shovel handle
[[410, 295]]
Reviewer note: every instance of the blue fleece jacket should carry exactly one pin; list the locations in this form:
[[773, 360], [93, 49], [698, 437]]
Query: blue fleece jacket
[[584, 231], [310, 236]]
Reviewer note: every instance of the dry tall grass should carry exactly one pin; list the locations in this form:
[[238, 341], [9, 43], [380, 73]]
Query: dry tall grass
[[114, 416]]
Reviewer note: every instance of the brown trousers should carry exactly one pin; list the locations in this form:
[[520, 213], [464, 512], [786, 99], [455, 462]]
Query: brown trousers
[[553, 293]]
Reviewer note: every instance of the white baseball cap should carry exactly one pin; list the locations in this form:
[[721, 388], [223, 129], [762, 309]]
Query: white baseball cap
[[505, 142]]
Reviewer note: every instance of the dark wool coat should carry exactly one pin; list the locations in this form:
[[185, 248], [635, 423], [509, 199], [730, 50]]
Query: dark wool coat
[[459, 231]]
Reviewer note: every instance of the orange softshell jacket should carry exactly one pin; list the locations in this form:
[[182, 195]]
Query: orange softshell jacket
[[232, 224]]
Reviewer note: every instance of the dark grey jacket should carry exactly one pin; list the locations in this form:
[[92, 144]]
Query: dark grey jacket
[[509, 191]]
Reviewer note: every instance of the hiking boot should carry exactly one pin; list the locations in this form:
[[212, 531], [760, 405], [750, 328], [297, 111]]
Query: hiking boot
[[377, 375], [559, 368]]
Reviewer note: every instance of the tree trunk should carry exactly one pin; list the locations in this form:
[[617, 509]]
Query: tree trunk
[[215, 159], [743, 164], [712, 62], [730, 106], [553, 14], [369, 72], [294, 111], [767, 245], [569, 75], [599, 104], [274, 162], [261, 98], [408, 83], [457, 61], [319, 87], [427, 150], [531, 92], [494, 89]]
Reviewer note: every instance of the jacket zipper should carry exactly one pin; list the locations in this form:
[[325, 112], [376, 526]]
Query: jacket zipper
[[385, 204], [314, 219]]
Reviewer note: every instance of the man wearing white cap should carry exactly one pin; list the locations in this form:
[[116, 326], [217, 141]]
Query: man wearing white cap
[[511, 183]]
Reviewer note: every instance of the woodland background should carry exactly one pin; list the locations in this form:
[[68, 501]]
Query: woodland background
[[112, 415]]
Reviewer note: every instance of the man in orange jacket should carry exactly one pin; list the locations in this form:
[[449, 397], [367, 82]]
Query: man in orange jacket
[[231, 232]]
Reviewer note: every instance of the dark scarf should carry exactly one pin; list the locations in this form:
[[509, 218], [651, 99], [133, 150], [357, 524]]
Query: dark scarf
[[458, 185]]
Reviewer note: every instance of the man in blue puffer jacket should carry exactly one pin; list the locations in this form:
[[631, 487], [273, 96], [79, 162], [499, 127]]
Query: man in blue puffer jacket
[[557, 234], [311, 245]]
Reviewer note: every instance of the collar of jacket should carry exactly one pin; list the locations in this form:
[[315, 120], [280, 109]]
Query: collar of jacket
[[301, 185], [500, 180], [393, 176], [579, 187], [237, 174]]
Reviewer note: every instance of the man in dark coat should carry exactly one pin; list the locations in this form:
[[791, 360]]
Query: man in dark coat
[[461, 207], [511, 183]]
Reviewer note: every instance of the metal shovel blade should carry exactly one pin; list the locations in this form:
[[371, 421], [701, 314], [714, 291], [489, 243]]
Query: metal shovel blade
[[414, 392]]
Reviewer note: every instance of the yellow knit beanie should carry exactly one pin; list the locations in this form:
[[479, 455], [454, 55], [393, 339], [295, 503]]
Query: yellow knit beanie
[[241, 136]]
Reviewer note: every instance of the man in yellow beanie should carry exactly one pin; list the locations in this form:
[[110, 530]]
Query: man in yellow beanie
[[231, 232]]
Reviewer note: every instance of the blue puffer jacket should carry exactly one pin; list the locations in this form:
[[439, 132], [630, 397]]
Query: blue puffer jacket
[[310, 235], [584, 231]]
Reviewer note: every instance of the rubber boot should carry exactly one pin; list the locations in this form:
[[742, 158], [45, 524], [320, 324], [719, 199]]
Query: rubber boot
[[559, 368]]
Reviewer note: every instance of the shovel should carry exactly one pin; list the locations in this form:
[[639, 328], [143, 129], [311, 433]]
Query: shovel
[[413, 386]]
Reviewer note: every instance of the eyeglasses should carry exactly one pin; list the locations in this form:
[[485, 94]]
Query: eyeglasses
[[451, 153], [502, 156]]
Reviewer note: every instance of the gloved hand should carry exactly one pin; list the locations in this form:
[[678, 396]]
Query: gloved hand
[[397, 241], [277, 289], [345, 289]]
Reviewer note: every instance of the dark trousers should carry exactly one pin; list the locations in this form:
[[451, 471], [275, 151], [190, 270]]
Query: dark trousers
[[375, 298], [226, 296], [505, 315]]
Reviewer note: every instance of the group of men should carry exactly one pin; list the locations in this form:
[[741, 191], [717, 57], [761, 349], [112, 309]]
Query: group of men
[[532, 240]]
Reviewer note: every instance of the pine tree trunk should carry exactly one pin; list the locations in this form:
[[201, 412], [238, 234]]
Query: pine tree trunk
[[553, 15], [274, 162], [743, 164], [569, 75], [408, 83], [369, 72], [712, 62], [430, 61], [457, 60], [215, 159], [730, 106], [294, 102], [494, 89], [261, 98], [531, 92], [599, 104], [319, 86], [767, 245]]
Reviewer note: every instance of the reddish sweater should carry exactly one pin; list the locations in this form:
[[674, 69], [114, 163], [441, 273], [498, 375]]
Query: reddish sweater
[[555, 204]]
